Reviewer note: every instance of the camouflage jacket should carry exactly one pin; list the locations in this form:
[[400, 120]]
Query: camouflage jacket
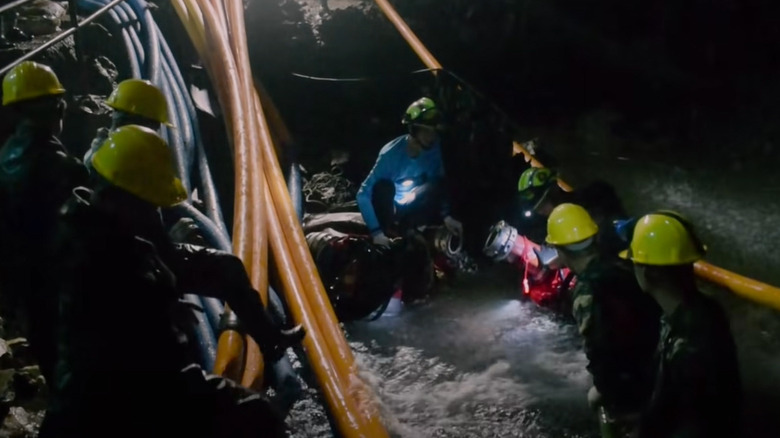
[[36, 177], [620, 325], [697, 391]]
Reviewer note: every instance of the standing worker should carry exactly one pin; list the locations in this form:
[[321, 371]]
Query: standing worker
[[119, 282], [37, 175], [618, 322], [697, 392], [136, 102]]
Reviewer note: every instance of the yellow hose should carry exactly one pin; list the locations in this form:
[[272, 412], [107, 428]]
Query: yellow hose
[[746, 287], [227, 73], [418, 47], [315, 292], [230, 345], [253, 362], [342, 406]]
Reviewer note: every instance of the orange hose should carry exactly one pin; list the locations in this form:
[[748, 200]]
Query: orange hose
[[231, 98], [253, 366], [328, 368], [230, 346], [315, 291], [258, 133], [341, 404], [230, 354], [418, 47], [282, 136], [745, 287]]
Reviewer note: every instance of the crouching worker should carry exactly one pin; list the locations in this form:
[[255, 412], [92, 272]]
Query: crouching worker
[[619, 324], [405, 189], [122, 368]]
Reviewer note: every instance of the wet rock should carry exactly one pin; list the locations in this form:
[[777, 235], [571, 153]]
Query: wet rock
[[21, 423], [19, 354], [7, 390], [41, 17], [30, 388], [96, 39]]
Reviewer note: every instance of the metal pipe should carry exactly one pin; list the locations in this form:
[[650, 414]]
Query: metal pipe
[[74, 18], [13, 5], [60, 37]]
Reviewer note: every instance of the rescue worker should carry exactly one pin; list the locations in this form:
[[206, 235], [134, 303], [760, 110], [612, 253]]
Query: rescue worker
[[36, 177], [697, 392], [618, 322], [122, 363], [137, 102], [539, 192], [405, 189]]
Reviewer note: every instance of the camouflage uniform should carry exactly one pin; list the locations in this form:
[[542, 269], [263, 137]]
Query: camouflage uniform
[[697, 391], [36, 177], [122, 366], [620, 326]]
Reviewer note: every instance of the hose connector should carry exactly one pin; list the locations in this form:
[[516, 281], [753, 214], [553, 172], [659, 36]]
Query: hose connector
[[500, 241]]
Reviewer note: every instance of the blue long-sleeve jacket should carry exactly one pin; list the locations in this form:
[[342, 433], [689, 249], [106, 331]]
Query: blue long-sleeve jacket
[[395, 164]]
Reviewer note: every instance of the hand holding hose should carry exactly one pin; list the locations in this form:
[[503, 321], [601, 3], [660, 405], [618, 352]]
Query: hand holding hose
[[284, 340], [453, 225], [381, 239]]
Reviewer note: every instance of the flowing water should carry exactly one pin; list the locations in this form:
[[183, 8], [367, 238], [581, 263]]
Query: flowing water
[[476, 362]]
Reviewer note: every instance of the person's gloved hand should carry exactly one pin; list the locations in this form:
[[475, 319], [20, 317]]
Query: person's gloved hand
[[285, 340], [547, 256], [185, 230], [453, 225], [381, 239]]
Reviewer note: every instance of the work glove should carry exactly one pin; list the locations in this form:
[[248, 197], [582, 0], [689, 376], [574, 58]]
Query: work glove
[[453, 225], [185, 230], [547, 256], [285, 339], [381, 239]]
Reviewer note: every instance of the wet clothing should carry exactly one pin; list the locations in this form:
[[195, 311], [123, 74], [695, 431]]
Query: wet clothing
[[406, 174], [36, 177], [697, 392], [122, 349], [620, 325]]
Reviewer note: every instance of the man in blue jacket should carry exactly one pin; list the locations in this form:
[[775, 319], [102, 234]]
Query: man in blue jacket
[[405, 189]]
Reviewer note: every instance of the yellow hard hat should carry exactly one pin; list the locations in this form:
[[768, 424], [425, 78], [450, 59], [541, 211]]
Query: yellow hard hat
[[137, 160], [29, 80], [663, 239], [568, 224], [141, 98]]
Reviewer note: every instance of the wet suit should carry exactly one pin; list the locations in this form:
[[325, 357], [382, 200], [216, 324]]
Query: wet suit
[[122, 368], [36, 177], [698, 391], [381, 197]]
